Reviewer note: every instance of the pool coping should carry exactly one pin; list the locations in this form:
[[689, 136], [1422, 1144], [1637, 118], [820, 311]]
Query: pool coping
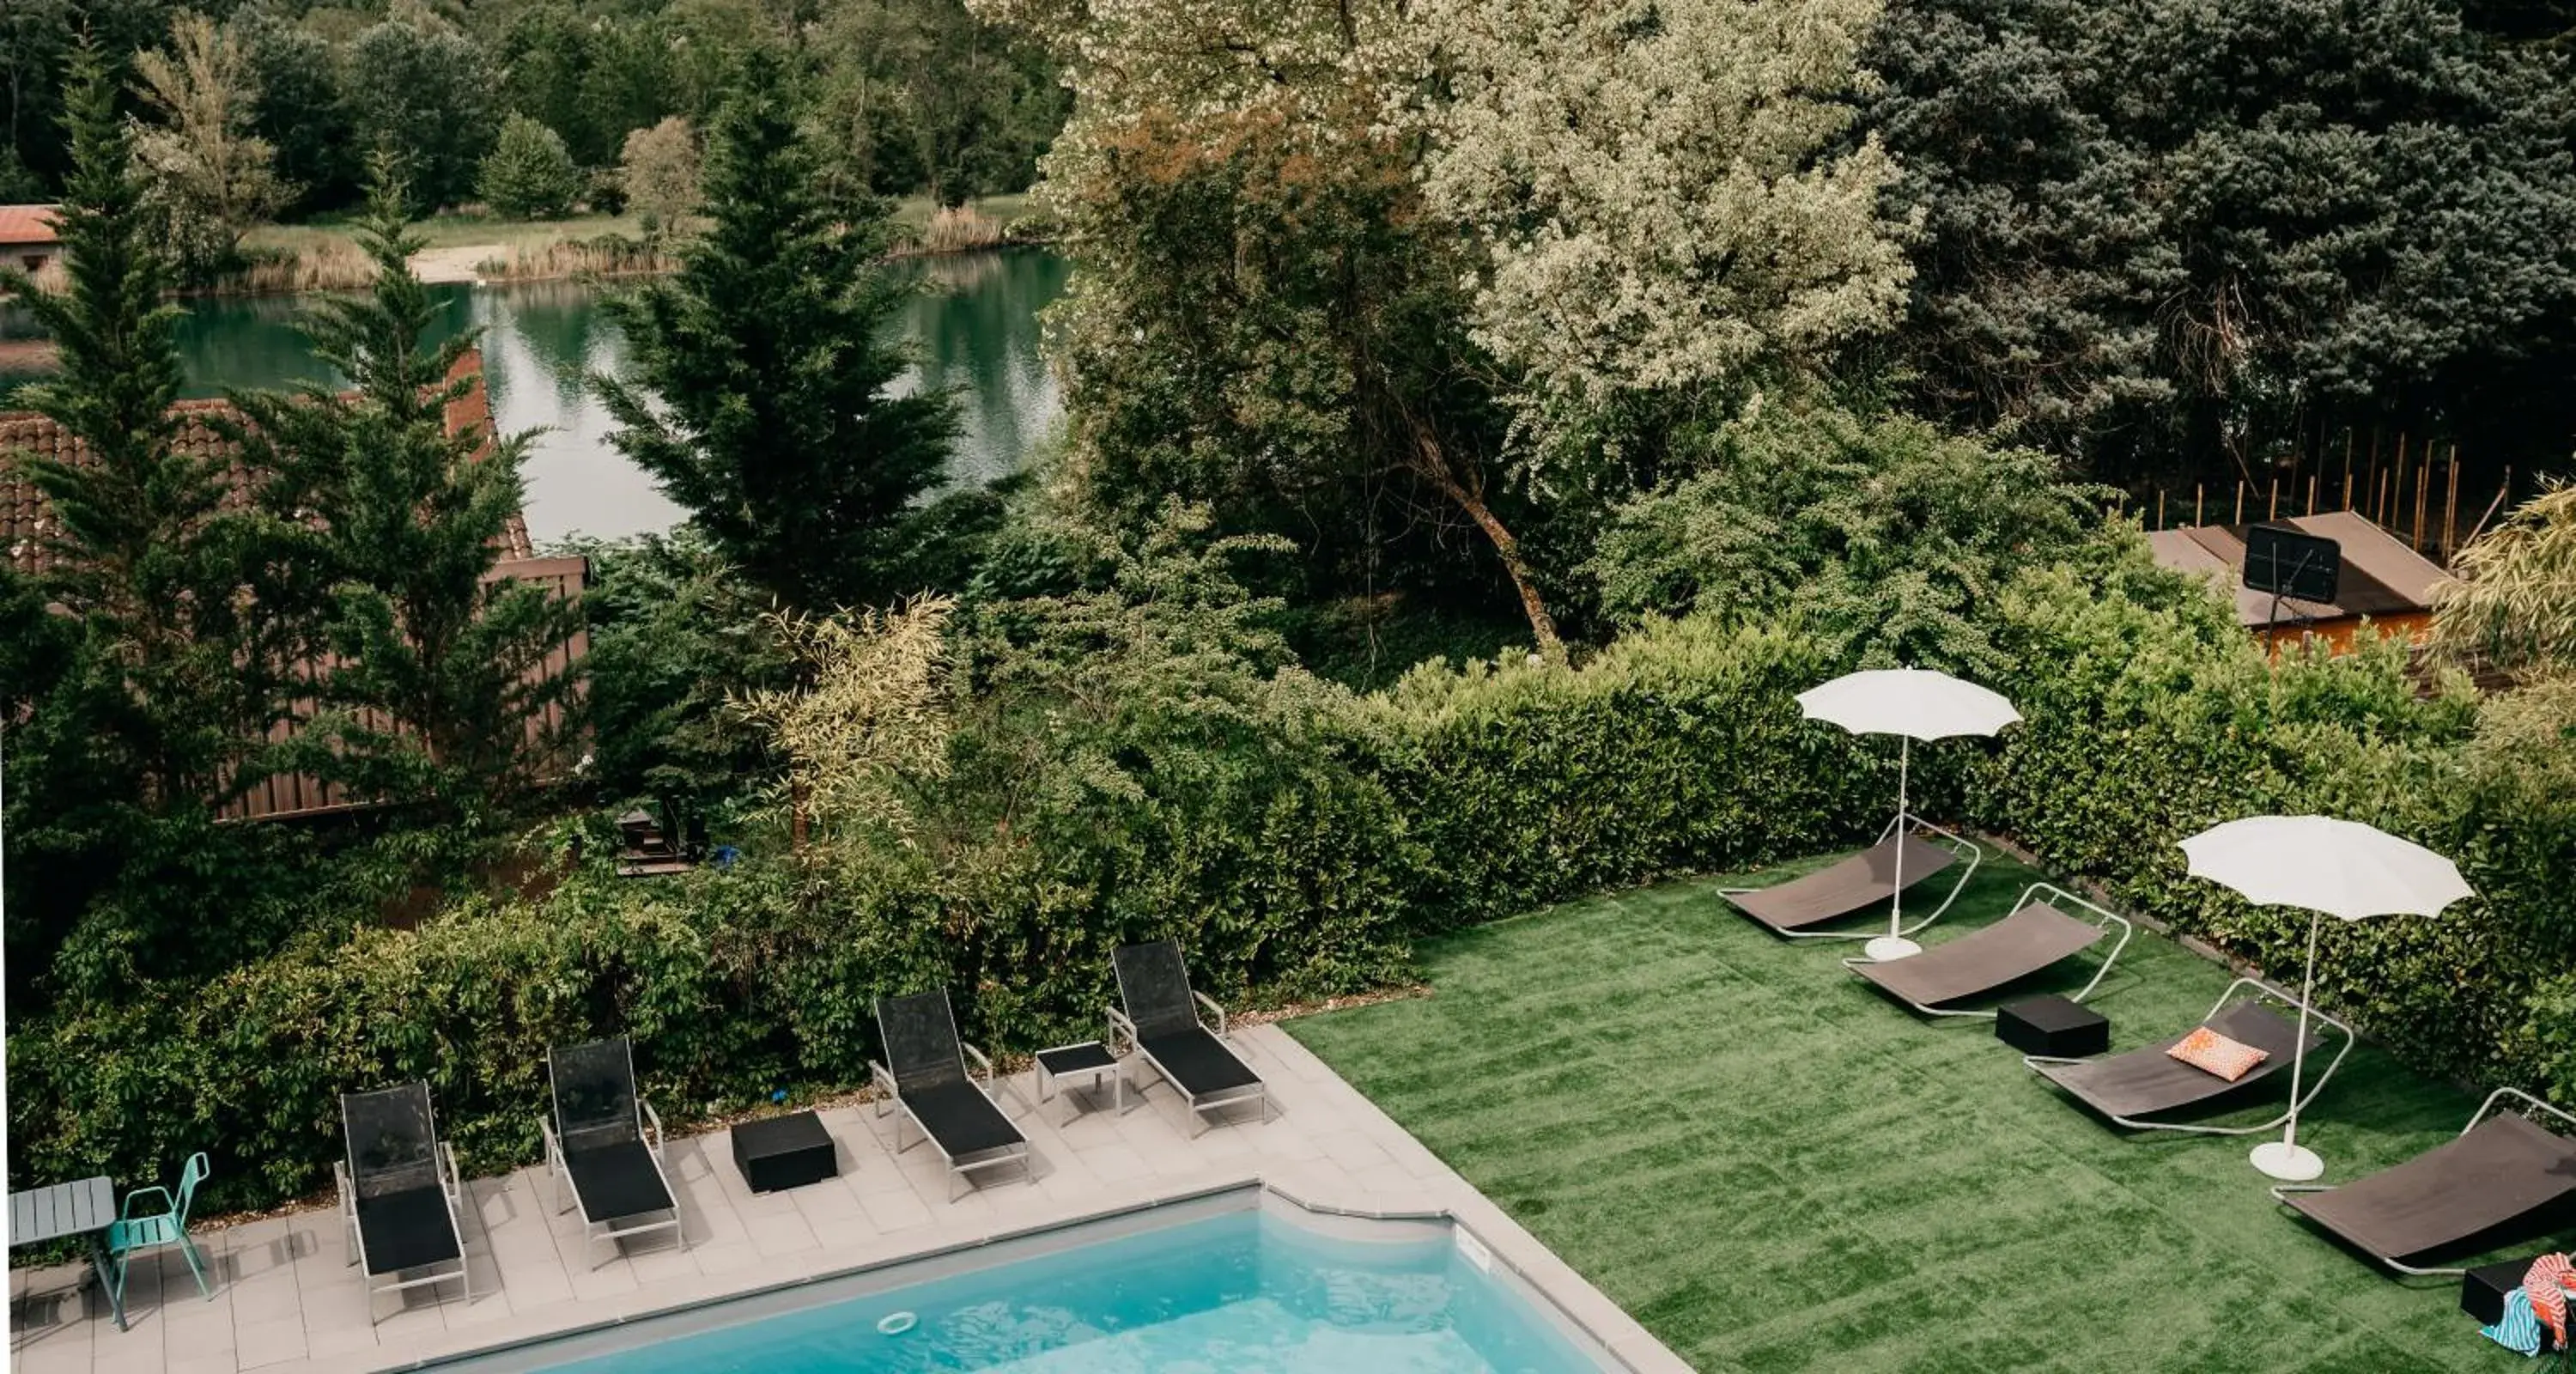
[[1029, 1242]]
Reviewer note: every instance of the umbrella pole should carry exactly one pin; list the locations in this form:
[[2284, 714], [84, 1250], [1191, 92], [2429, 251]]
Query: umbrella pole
[[1896, 899], [1894, 945], [2285, 1158]]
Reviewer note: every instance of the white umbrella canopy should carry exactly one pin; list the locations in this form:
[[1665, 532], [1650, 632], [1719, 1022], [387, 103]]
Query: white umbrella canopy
[[1917, 703], [1911, 704], [2345, 869], [2327, 867]]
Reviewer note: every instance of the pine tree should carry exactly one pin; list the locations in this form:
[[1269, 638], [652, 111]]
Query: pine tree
[[437, 673], [146, 557], [758, 392]]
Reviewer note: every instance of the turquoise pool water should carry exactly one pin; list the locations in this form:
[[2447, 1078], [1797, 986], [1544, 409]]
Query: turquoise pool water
[[1235, 1294]]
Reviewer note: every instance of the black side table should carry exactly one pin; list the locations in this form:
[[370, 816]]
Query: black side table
[[783, 1152], [1088, 1061], [2054, 1028]]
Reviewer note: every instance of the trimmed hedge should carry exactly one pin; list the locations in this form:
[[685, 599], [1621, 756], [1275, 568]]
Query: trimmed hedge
[[1300, 859]]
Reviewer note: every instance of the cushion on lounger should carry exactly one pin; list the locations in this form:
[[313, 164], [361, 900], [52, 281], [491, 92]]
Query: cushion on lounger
[[2209, 1050]]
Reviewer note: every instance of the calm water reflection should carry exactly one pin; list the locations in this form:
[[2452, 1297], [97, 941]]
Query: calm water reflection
[[973, 329]]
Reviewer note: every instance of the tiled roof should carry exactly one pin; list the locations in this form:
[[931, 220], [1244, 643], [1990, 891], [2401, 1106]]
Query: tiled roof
[[26, 224], [26, 524]]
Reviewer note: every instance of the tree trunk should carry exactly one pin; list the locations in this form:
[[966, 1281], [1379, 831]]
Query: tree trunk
[[1434, 464]]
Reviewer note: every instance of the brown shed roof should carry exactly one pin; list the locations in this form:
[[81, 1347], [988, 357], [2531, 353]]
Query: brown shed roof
[[2381, 576]]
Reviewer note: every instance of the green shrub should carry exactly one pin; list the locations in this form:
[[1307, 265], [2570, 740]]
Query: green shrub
[[2148, 716], [529, 174]]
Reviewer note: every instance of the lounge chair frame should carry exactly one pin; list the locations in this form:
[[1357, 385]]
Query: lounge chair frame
[[2059, 895], [648, 1129], [1203, 1106], [450, 1183], [1974, 852], [2262, 990], [2281, 1192], [961, 1168]]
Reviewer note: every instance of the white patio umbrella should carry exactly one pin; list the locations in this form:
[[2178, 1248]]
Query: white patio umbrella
[[2330, 867], [1911, 704]]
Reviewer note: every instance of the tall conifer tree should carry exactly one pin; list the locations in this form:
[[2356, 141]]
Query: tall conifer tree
[[436, 672], [759, 391]]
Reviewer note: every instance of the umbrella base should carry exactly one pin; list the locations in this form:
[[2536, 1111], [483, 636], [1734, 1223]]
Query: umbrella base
[[1891, 947], [2286, 1162]]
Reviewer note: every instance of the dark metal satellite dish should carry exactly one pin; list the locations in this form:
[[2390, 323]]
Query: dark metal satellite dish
[[2292, 563]]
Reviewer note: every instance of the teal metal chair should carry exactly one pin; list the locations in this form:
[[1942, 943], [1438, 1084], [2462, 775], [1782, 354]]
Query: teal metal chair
[[132, 1235]]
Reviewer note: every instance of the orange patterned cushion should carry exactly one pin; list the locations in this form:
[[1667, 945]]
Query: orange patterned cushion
[[2207, 1049]]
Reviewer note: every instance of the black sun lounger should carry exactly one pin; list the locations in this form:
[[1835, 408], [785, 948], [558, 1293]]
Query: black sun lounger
[[399, 1193], [604, 1141], [2130, 1088], [2036, 935], [945, 1104], [2501, 1169], [1161, 1023], [1795, 908]]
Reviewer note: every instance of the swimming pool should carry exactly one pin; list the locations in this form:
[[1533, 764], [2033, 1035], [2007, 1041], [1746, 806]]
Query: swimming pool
[[1244, 1290]]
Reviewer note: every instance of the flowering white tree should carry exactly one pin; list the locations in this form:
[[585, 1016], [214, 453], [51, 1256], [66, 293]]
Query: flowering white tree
[[1656, 185]]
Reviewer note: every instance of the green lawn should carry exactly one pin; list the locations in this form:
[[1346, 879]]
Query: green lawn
[[1775, 1168]]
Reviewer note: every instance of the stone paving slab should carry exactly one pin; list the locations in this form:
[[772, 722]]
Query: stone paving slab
[[287, 1301]]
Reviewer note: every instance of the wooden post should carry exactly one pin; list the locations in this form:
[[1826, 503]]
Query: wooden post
[[2240, 502], [2274, 513], [2451, 506], [2397, 485], [2160, 508], [2347, 468], [2379, 499], [2199, 503], [2423, 489], [2312, 493]]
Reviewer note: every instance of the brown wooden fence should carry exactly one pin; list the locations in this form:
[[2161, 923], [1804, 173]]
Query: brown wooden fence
[[2413, 488]]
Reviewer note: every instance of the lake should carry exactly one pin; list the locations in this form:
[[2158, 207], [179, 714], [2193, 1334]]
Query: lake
[[973, 329]]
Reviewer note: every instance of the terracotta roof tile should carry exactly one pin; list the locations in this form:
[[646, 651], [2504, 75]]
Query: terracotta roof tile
[[26, 525], [27, 224]]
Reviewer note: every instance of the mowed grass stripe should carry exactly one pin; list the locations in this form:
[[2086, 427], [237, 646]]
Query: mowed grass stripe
[[1775, 1166]]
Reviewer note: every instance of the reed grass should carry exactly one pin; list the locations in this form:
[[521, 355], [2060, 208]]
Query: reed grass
[[609, 255]]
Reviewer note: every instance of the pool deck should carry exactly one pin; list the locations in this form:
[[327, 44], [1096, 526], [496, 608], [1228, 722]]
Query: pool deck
[[286, 1300]]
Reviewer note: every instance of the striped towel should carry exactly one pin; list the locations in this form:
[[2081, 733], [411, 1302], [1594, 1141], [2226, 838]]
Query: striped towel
[[2517, 1330], [2547, 1285]]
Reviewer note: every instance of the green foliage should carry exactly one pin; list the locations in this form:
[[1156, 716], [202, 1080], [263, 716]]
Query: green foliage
[[529, 174], [757, 388], [2148, 716], [392, 522], [2168, 233], [1884, 539], [423, 98], [924, 96], [2513, 604], [298, 109], [673, 630], [145, 691]]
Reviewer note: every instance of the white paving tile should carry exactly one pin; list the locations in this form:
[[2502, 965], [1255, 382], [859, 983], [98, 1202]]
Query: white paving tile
[[289, 1303]]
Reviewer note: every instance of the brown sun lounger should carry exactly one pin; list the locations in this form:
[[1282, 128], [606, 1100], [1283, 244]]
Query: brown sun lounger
[[2143, 1083], [1857, 883], [2036, 935], [2500, 1169]]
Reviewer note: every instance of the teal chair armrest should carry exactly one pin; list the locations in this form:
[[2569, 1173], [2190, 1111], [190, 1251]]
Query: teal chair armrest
[[168, 1205]]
